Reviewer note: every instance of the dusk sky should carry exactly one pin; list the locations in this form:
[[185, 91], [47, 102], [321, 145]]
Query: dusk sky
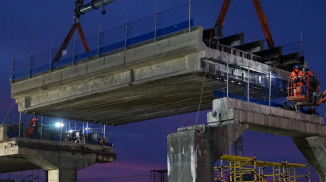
[[141, 146]]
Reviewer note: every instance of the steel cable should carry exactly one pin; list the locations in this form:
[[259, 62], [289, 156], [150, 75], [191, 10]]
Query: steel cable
[[8, 112], [200, 100]]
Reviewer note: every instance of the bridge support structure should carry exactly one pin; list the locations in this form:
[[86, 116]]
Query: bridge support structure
[[192, 151], [62, 160]]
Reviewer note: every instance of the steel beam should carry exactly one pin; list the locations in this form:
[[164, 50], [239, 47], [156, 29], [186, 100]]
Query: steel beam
[[271, 53], [293, 58], [213, 33], [233, 40], [252, 46]]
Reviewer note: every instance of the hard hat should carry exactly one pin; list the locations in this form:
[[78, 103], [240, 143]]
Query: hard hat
[[306, 69], [296, 67]]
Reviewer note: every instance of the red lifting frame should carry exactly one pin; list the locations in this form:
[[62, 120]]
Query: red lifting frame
[[264, 24], [68, 38], [223, 12], [261, 16]]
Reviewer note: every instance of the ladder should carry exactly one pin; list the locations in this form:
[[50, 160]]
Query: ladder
[[277, 174]]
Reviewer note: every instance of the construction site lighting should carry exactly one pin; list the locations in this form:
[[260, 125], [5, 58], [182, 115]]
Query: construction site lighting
[[59, 125]]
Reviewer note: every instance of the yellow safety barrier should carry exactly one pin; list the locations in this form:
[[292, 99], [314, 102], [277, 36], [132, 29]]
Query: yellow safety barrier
[[239, 165]]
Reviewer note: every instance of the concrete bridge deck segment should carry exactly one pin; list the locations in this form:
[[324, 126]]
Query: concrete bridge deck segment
[[147, 81], [62, 160]]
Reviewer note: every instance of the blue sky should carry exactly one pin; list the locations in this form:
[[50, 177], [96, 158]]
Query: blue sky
[[142, 146]]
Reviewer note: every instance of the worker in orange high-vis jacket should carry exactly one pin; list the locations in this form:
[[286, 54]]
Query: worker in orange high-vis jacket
[[307, 73], [297, 78], [31, 125]]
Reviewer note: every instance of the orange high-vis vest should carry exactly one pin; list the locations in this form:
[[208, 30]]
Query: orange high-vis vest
[[31, 125], [294, 75], [309, 74]]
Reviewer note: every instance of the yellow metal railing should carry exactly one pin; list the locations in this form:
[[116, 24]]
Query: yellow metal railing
[[239, 165]]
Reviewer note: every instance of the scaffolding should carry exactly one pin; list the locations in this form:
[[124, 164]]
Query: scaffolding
[[264, 171]]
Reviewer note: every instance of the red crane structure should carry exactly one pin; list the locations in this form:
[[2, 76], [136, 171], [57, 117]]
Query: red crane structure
[[75, 26], [261, 16], [308, 92], [80, 9]]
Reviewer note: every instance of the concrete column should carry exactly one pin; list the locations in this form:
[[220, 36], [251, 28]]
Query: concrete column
[[192, 154], [3, 133], [62, 175], [313, 148]]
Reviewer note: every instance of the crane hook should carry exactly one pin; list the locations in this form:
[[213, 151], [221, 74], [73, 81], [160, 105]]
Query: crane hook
[[76, 13], [103, 11]]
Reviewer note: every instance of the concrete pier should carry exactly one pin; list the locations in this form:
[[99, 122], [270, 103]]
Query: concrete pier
[[314, 149], [192, 151], [62, 160]]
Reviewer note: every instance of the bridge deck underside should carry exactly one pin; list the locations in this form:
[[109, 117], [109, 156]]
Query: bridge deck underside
[[156, 99], [15, 164]]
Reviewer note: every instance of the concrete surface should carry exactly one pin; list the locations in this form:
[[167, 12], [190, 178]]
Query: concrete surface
[[193, 152], [267, 119], [62, 160], [147, 81], [313, 148]]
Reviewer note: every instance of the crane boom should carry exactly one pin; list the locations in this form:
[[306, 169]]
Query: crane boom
[[223, 12], [261, 16], [93, 5], [263, 23]]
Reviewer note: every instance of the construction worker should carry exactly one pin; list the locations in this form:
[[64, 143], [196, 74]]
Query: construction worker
[[296, 77], [307, 73], [31, 125]]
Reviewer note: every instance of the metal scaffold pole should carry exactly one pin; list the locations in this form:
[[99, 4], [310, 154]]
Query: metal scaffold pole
[[61, 125], [189, 15], [221, 170], [301, 44], [309, 171], [227, 79], [30, 65], [156, 14], [50, 66], [87, 128], [98, 45], [20, 118], [126, 34], [248, 78], [104, 131], [270, 88], [41, 127], [13, 69]]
